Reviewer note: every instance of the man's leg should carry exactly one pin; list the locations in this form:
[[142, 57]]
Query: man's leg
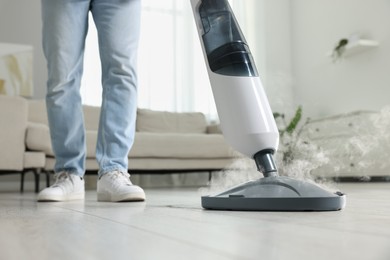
[[117, 23], [65, 25]]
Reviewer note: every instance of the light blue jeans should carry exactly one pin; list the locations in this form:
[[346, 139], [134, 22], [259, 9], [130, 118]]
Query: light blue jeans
[[65, 25]]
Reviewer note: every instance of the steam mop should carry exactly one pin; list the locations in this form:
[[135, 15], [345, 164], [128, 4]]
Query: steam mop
[[247, 121]]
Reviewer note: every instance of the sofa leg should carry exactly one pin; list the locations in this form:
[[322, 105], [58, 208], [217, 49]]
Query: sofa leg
[[22, 181], [47, 178], [36, 175]]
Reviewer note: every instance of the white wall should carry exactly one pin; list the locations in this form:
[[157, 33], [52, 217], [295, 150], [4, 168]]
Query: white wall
[[358, 82], [20, 22], [267, 28]]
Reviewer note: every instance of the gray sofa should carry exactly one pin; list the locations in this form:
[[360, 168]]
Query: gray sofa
[[165, 142]]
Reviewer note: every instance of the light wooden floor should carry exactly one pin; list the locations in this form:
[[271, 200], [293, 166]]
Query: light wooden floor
[[172, 225]]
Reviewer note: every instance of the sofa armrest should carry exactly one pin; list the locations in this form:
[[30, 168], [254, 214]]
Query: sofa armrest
[[13, 124]]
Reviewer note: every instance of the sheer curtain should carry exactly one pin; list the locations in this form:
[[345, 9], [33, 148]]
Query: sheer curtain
[[172, 73]]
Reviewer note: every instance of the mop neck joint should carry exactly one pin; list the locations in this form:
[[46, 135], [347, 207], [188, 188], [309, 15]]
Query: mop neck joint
[[265, 162]]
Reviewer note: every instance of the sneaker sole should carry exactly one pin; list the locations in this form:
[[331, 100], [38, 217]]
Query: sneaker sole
[[53, 198], [129, 197]]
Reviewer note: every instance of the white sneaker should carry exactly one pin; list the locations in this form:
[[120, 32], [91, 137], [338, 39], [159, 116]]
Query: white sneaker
[[116, 186], [67, 187]]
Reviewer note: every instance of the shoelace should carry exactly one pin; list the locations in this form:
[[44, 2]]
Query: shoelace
[[61, 178], [121, 177]]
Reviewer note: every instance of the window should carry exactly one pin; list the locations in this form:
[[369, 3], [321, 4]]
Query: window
[[171, 68]]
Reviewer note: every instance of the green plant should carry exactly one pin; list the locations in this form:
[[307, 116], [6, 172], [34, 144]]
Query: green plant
[[298, 155], [290, 133]]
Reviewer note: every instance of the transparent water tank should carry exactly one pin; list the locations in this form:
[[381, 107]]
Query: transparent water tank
[[225, 45]]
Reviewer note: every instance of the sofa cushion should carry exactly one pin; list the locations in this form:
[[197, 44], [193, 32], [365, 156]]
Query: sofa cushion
[[214, 129], [170, 122], [91, 139], [37, 114], [164, 135], [171, 145], [37, 111], [38, 138], [91, 117], [34, 160]]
